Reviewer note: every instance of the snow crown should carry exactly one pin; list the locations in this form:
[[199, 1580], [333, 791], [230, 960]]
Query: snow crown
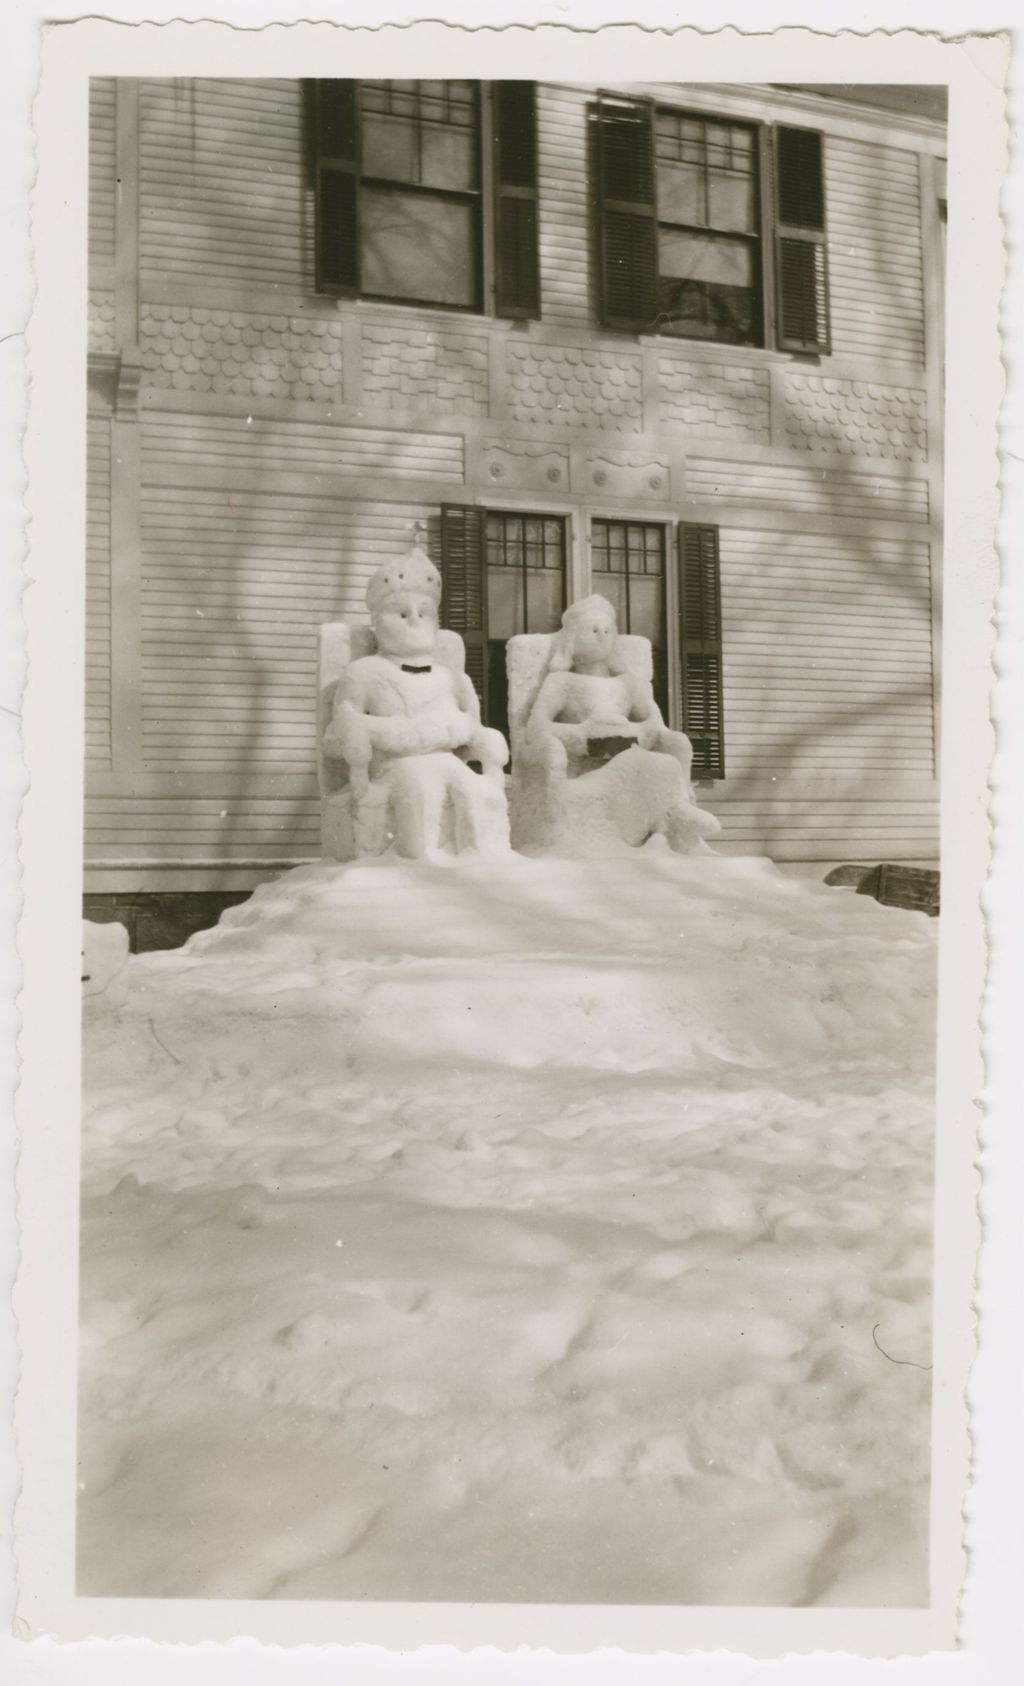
[[414, 572]]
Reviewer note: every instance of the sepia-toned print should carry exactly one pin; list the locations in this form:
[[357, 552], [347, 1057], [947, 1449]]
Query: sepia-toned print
[[514, 704]]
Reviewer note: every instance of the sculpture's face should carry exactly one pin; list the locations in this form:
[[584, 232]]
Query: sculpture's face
[[594, 638], [406, 625]]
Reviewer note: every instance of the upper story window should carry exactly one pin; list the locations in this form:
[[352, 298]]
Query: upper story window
[[402, 212], [419, 233], [709, 259], [690, 241]]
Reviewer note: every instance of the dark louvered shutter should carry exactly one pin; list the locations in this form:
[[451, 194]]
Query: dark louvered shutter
[[337, 187], [517, 274], [700, 648], [463, 597], [801, 257], [622, 138]]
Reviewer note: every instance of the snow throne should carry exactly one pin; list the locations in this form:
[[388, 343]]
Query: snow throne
[[399, 723], [595, 769]]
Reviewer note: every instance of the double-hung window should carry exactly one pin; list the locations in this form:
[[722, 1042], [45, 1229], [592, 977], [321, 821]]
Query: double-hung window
[[426, 193], [419, 192], [504, 572], [627, 560], [709, 228]]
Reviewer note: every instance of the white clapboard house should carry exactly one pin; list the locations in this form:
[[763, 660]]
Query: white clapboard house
[[678, 344]]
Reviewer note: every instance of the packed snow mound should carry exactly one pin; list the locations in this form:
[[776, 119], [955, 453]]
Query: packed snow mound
[[522, 1229]]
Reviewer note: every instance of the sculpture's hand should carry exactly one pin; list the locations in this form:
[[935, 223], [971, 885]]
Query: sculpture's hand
[[348, 735], [572, 738], [650, 734], [489, 748]]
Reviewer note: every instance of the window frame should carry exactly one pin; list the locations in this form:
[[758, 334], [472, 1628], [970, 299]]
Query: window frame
[[498, 295], [665, 528], [523, 513], [759, 240], [473, 196], [771, 236]]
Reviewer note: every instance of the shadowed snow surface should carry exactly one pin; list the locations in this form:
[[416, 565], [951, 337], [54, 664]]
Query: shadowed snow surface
[[513, 1231]]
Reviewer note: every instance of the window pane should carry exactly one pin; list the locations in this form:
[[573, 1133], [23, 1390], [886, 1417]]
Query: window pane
[[702, 258], [635, 543], [731, 202], [543, 600], [647, 609], [707, 288], [389, 148], [449, 158], [504, 603], [612, 586], [691, 131], [681, 194], [416, 246]]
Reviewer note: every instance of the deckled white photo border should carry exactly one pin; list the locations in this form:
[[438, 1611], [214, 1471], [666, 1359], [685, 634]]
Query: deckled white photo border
[[46, 1296]]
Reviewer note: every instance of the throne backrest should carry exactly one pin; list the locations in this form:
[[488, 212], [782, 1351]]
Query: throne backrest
[[527, 656], [340, 644]]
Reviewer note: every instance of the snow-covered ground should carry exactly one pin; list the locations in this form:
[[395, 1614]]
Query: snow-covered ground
[[527, 1230]]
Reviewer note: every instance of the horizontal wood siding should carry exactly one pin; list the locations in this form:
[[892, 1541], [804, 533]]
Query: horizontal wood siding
[[234, 588], [828, 658], [811, 489], [257, 527], [180, 444], [176, 827], [875, 261], [565, 255], [97, 595], [223, 188], [102, 173], [798, 827]]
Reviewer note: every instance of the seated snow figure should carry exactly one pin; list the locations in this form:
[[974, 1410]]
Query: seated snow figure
[[595, 770], [399, 723]]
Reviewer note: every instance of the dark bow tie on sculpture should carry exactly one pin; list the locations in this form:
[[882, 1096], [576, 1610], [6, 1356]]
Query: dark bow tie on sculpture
[[406, 750]]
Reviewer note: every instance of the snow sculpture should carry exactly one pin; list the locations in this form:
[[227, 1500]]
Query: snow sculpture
[[399, 723], [594, 766]]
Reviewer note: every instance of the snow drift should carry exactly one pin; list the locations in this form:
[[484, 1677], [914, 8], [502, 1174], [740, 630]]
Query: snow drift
[[518, 1230]]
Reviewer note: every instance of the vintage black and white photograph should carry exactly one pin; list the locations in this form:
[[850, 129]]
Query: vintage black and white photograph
[[513, 567]]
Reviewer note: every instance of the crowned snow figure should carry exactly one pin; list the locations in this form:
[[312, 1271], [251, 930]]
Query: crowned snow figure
[[400, 723], [594, 766]]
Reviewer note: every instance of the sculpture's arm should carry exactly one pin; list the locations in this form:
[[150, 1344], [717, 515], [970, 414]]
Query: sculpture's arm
[[465, 695], [355, 732], [654, 734], [678, 745], [482, 743], [345, 733], [489, 748], [544, 726]]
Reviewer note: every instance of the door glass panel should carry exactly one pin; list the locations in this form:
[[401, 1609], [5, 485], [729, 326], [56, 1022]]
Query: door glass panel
[[647, 608], [504, 603], [543, 600]]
